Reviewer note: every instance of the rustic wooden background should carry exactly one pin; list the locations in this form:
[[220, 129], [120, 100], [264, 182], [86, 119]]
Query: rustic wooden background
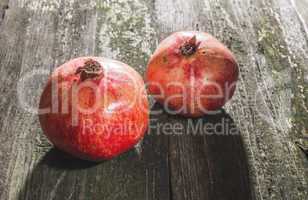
[[269, 109]]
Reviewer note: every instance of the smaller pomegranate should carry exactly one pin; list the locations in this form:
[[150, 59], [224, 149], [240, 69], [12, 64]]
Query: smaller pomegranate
[[94, 108], [192, 73]]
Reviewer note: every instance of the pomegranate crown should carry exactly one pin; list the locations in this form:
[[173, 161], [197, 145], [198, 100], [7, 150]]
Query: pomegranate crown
[[190, 46], [91, 69]]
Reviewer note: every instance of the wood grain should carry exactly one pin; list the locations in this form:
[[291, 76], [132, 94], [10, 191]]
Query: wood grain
[[41, 35], [263, 108], [256, 157]]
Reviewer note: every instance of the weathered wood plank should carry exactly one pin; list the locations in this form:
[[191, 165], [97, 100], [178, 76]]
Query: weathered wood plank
[[255, 159], [213, 164], [39, 35], [3, 7], [208, 159]]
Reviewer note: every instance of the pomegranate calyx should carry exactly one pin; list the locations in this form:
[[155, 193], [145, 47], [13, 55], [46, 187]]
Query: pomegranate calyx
[[189, 47], [91, 69]]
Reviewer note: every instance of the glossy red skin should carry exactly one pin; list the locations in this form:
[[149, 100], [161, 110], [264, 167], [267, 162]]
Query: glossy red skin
[[212, 62], [91, 141]]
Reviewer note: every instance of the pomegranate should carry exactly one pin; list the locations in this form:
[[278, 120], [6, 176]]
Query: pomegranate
[[94, 108], [192, 73]]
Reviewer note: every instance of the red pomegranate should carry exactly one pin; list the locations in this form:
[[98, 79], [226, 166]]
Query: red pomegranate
[[192, 73], [94, 108]]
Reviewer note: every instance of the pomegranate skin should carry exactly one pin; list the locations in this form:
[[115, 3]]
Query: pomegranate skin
[[191, 73], [94, 108]]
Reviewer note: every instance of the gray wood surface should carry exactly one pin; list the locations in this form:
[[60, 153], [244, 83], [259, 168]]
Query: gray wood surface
[[269, 109]]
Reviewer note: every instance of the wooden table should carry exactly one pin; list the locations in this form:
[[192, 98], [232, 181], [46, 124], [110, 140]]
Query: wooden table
[[269, 110]]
